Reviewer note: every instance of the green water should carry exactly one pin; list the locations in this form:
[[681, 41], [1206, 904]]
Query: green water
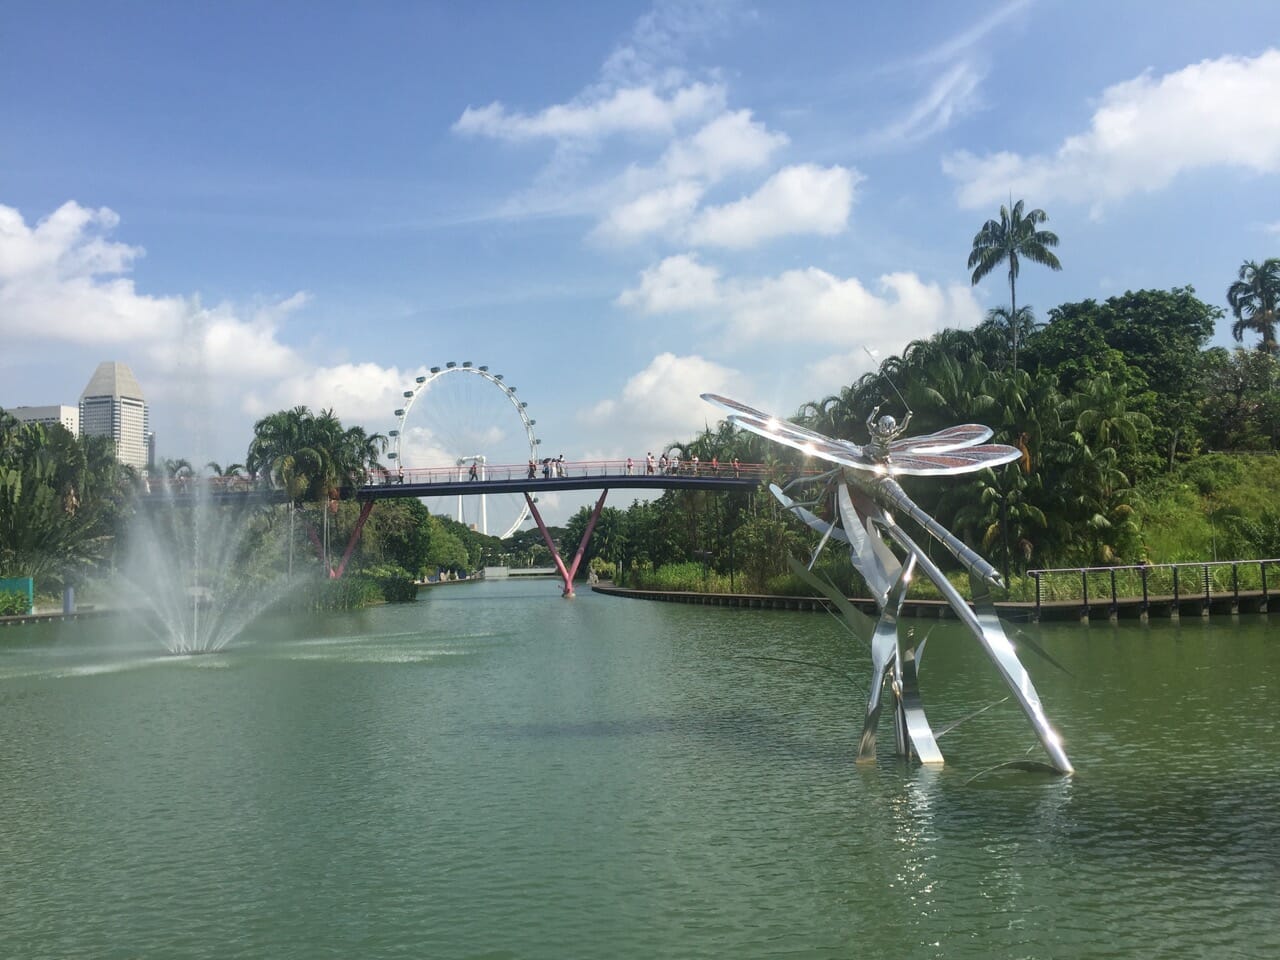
[[497, 772]]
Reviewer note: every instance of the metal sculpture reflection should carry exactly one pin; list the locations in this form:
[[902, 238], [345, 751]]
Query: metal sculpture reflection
[[865, 494]]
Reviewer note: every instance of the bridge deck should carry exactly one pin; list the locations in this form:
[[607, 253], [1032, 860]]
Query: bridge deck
[[447, 488], [444, 484]]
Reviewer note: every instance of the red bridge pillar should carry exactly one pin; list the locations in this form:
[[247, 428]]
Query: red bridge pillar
[[567, 573]]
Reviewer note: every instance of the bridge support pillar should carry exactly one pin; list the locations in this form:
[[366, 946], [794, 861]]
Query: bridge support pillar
[[335, 573], [365, 509], [566, 573]]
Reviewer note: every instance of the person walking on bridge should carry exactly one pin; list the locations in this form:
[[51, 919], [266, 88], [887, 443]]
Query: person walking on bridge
[[648, 464], [533, 468], [630, 466], [473, 473]]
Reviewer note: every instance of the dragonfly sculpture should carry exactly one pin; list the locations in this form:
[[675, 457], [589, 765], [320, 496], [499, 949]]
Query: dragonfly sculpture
[[866, 496]]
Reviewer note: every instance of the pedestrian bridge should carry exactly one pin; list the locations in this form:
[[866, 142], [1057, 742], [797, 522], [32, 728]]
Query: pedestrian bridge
[[486, 481]]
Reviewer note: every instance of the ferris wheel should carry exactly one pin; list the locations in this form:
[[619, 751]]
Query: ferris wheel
[[467, 424]]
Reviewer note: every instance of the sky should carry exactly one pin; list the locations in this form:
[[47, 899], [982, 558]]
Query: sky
[[619, 205]]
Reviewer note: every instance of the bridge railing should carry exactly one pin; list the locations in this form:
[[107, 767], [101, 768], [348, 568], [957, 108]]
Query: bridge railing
[[568, 468], [454, 474], [1154, 582]]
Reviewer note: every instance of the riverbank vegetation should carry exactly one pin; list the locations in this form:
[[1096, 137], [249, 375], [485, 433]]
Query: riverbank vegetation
[[1139, 441]]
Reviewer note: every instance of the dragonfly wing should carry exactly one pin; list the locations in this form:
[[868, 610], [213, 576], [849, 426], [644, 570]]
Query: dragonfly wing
[[833, 451], [800, 438], [952, 438], [952, 462]]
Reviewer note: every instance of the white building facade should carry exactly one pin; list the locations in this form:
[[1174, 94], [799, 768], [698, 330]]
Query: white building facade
[[112, 405], [69, 417]]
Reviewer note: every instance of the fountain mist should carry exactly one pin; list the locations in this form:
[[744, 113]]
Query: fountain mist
[[200, 570]]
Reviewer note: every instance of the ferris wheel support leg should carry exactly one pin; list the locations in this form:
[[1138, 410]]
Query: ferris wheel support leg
[[566, 573]]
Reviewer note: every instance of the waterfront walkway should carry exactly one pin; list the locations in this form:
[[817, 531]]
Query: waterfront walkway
[[1247, 602]]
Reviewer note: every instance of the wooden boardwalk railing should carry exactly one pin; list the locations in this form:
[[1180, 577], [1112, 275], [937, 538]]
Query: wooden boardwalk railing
[[1204, 587]]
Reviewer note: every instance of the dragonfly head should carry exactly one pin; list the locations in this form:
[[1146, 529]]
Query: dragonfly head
[[886, 425]]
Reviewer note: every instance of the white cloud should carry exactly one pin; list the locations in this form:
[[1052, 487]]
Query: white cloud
[[60, 281], [1272, 228], [662, 403], [663, 199], [632, 110], [952, 95], [657, 211], [730, 143], [357, 392], [962, 43], [676, 284], [63, 281], [659, 38], [1145, 133], [806, 305], [797, 199]]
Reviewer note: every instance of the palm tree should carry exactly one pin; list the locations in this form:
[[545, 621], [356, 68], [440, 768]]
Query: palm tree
[[1013, 237], [1012, 327], [1254, 299]]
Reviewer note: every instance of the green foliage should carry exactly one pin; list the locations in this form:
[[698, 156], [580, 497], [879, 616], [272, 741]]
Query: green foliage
[[347, 593], [395, 584], [311, 456], [1240, 399], [62, 500], [603, 569], [1149, 344], [679, 578], [1255, 302], [1011, 239], [12, 603], [525, 548], [1216, 506]]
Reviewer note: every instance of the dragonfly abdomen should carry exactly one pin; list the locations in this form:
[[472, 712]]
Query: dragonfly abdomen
[[890, 494]]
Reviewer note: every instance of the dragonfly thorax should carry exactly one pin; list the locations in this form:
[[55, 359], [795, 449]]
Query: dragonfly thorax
[[883, 432]]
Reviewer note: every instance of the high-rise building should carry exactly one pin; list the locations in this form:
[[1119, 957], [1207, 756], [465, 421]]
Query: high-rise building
[[112, 406], [69, 417]]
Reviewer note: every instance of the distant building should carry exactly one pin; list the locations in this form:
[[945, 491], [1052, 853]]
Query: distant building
[[112, 406], [69, 417]]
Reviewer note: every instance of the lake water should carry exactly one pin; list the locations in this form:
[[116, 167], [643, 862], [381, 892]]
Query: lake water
[[497, 772]]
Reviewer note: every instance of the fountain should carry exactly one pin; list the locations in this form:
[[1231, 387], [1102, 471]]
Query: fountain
[[200, 571]]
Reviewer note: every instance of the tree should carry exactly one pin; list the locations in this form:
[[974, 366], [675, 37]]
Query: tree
[[1240, 399], [61, 499], [1150, 342], [1012, 238], [309, 455], [1002, 331], [1254, 299]]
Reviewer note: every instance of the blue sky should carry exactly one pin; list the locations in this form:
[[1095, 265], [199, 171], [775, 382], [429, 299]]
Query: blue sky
[[618, 205]]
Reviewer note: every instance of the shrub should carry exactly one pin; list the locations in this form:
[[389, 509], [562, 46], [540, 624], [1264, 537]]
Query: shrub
[[348, 593], [689, 577], [13, 604], [394, 583]]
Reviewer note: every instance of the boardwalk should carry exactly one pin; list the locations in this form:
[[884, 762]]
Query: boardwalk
[[1022, 611]]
